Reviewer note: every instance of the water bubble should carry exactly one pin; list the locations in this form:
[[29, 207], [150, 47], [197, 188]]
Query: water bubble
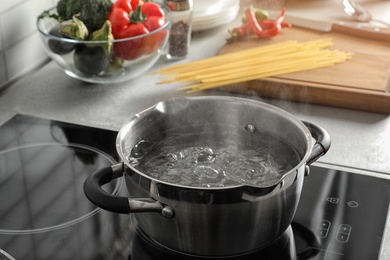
[[141, 149], [212, 161], [206, 155], [208, 172], [172, 157], [188, 152], [250, 128]]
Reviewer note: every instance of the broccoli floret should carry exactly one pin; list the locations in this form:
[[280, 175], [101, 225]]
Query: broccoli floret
[[93, 13]]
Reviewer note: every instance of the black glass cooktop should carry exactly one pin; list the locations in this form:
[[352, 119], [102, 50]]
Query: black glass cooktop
[[44, 213]]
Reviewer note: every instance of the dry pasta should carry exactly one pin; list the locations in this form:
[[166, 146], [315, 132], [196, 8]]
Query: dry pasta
[[256, 63]]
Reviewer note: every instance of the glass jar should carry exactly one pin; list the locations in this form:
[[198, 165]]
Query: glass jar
[[180, 36]]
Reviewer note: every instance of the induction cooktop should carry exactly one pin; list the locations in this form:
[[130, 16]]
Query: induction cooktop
[[44, 213]]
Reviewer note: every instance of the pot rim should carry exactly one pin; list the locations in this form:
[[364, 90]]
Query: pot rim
[[284, 113]]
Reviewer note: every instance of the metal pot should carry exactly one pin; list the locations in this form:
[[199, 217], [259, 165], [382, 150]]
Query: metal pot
[[217, 221]]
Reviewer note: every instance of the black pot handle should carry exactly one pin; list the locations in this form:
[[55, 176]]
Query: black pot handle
[[118, 204], [322, 144]]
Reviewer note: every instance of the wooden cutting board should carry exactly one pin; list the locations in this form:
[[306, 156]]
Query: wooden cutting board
[[361, 83]]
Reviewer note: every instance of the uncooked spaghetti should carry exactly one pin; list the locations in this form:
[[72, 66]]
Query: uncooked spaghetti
[[256, 63]]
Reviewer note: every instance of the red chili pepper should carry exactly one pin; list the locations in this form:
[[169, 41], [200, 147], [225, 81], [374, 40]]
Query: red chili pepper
[[267, 24], [286, 25], [239, 32], [131, 18], [266, 28]]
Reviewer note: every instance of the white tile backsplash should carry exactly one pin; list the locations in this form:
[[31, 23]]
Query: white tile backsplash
[[6, 4], [19, 61], [20, 46], [3, 73], [1, 38], [14, 28]]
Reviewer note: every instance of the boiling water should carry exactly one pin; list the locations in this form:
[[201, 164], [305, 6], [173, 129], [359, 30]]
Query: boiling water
[[206, 159]]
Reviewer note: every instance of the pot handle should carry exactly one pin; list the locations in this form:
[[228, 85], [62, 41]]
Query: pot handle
[[322, 144], [119, 204]]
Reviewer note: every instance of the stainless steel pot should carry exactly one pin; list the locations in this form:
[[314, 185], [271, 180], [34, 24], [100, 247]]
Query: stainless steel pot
[[213, 222]]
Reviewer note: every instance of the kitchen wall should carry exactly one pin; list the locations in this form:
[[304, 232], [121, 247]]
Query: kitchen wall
[[20, 46]]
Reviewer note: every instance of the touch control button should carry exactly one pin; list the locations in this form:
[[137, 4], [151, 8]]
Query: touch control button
[[353, 204], [323, 229], [346, 229], [333, 200], [325, 224], [343, 233], [343, 238]]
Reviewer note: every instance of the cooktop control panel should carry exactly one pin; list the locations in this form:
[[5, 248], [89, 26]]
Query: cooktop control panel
[[347, 211]]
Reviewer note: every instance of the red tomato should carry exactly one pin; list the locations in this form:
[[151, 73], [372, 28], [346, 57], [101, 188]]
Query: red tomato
[[123, 4], [119, 19], [142, 18], [152, 9], [153, 23], [127, 5], [132, 49], [135, 3], [154, 41]]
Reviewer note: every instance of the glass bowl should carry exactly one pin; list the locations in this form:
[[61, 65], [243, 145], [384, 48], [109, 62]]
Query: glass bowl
[[89, 61]]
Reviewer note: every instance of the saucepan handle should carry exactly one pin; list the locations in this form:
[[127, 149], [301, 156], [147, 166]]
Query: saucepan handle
[[119, 204], [322, 144]]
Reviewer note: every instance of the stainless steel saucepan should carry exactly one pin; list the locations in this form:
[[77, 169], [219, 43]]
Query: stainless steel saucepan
[[210, 221]]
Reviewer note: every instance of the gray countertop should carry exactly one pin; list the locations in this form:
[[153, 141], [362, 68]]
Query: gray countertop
[[360, 140]]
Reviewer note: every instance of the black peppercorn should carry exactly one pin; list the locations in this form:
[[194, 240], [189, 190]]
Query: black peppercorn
[[180, 34]]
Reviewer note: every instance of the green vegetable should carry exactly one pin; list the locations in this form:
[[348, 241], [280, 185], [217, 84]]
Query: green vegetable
[[93, 13], [96, 56], [75, 30], [103, 34]]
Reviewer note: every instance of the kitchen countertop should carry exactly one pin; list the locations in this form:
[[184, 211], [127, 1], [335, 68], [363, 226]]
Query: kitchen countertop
[[360, 140]]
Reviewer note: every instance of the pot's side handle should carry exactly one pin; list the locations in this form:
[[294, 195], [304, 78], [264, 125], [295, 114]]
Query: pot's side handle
[[94, 192], [322, 144]]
